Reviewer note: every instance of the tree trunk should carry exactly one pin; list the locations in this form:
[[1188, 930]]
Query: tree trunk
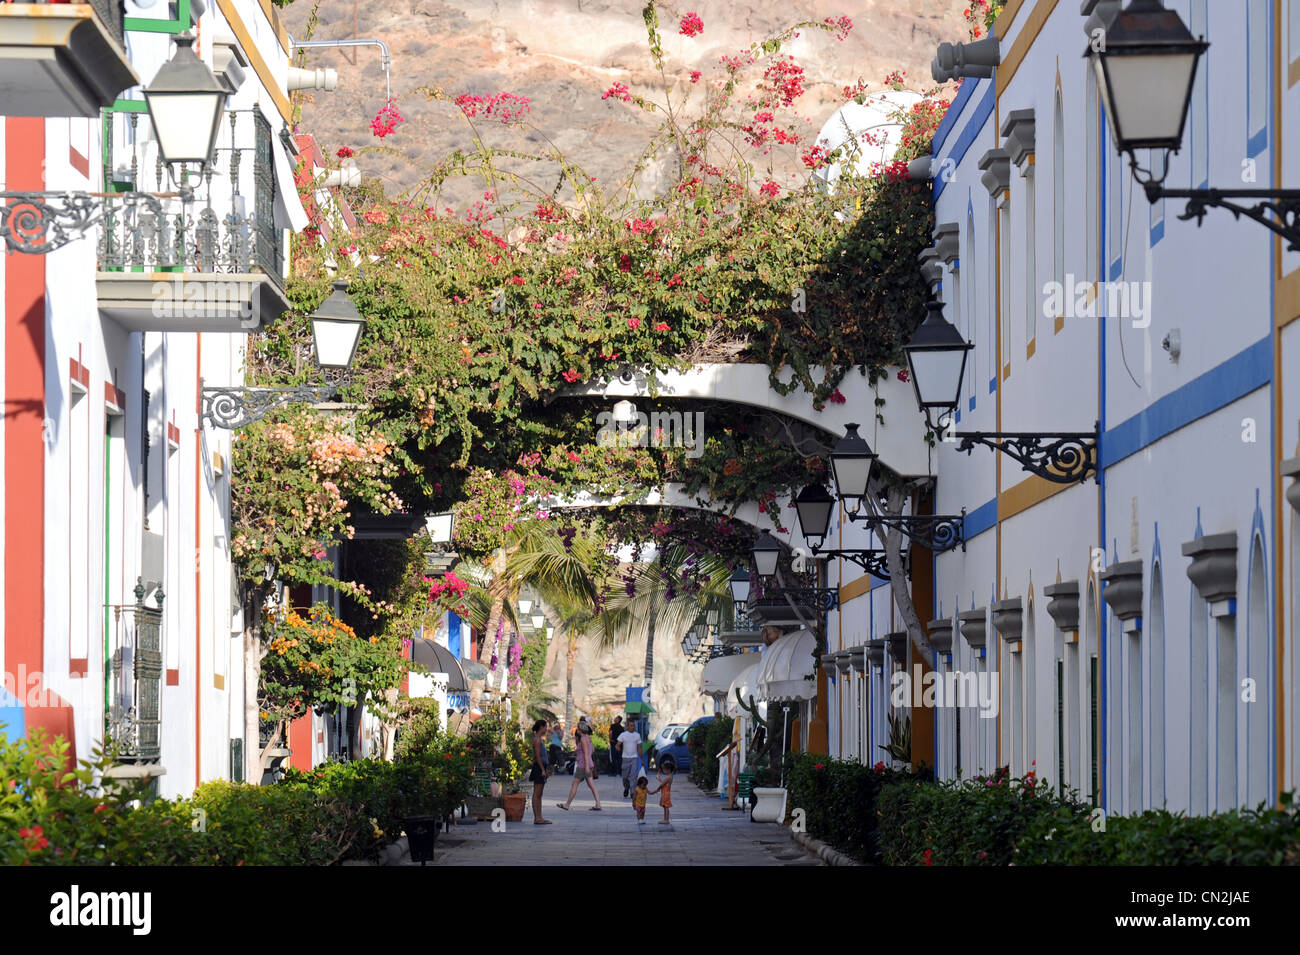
[[898, 577], [568, 680], [650, 643], [255, 761]]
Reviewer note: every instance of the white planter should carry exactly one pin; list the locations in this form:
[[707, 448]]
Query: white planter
[[769, 804]]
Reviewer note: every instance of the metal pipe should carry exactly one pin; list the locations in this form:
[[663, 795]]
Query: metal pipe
[[385, 59]]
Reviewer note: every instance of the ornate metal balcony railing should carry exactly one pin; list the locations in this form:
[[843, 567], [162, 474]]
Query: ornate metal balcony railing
[[134, 719]]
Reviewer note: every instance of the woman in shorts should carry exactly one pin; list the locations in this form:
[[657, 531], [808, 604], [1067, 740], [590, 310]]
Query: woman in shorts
[[584, 766]]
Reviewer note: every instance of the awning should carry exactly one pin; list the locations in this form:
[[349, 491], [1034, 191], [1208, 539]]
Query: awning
[[720, 671], [744, 682], [636, 708], [438, 659], [289, 213], [788, 669]]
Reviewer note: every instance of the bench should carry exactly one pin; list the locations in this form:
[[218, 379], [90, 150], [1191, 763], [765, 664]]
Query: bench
[[745, 788]]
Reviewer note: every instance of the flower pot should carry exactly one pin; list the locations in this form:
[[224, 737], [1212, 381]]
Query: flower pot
[[515, 804], [769, 804], [421, 833], [481, 807]]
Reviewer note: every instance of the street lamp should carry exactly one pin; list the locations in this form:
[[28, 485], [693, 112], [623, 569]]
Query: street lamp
[[441, 527], [853, 463], [1146, 70], [336, 328], [740, 587], [539, 620], [765, 552], [813, 505], [525, 605], [185, 103], [936, 358]]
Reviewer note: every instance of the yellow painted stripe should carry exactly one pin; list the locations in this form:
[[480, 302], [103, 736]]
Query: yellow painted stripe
[[1028, 493], [1012, 59], [855, 588], [277, 25], [1006, 18], [255, 58]]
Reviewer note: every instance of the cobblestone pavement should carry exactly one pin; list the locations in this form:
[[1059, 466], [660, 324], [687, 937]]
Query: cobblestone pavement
[[702, 833]]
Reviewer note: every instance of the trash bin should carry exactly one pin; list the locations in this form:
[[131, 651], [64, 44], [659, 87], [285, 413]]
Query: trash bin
[[421, 832]]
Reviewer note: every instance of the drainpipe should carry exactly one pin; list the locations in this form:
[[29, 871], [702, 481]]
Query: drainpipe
[[385, 60]]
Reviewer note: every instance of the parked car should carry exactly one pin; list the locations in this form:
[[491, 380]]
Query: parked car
[[676, 753], [668, 735]]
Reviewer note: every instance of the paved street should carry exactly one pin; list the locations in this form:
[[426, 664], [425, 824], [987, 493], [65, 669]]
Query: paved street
[[702, 833]]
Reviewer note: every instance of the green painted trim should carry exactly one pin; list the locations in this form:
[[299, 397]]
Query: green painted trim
[[182, 22], [129, 106]]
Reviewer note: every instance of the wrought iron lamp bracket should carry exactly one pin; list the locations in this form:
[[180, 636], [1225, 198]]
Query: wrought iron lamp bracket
[[938, 532], [1062, 457], [232, 408]]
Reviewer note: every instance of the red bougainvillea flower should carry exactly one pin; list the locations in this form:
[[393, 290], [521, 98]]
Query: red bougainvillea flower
[[695, 76], [769, 188], [345, 152], [574, 457], [820, 766], [926, 855], [506, 108], [836, 398], [691, 25], [842, 26], [815, 157], [625, 263], [661, 327], [879, 767], [386, 119], [903, 375], [618, 91], [634, 323], [571, 376]]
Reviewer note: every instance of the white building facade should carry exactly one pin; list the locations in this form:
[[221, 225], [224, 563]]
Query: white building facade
[[1143, 625]]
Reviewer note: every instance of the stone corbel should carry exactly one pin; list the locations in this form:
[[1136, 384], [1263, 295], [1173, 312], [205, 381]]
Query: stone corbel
[[974, 627], [898, 647], [1213, 571], [876, 653], [947, 242], [996, 164], [940, 632], [858, 659], [1063, 608], [1123, 593], [842, 660], [1009, 621], [1291, 468], [930, 268], [1098, 13], [1018, 131]]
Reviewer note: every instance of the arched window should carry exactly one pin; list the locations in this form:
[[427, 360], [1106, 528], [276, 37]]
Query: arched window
[[1090, 765], [1200, 706], [971, 274], [1259, 668]]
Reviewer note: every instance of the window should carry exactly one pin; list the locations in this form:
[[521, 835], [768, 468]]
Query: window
[[1200, 108], [993, 294], [970, 296], [1199, 708], [1032, 300], [1092, 191], [1004, 287], [1257, 63], [1058, 206], [1029, 707], [1258, 665], [1089, 763], [80, 575], [1225, 713]]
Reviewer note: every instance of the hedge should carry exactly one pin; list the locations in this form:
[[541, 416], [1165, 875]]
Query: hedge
[[894, 818]]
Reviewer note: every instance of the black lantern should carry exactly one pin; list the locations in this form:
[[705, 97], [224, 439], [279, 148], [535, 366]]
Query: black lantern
[[1145, 65], [765, 552], [185, 103], [936, 359], [814, 505], [336, 328], [852, 463], [740, 586]]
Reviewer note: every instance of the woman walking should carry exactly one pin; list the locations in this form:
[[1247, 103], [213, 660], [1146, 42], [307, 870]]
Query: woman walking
[[584, 766], [537, 774]]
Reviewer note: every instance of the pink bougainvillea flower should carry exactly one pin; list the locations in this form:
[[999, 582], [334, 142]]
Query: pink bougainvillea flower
[[634, 323], [695, 76], [769, 188], [618, 91], [625, 263], [571, 376], [661, 327], [904, 375], [345, 152], [508, 109], [691, 25], [836, 398]]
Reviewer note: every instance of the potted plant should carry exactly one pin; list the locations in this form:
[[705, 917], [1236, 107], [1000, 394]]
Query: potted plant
[[511, 764], [899, 746], [482, 743]]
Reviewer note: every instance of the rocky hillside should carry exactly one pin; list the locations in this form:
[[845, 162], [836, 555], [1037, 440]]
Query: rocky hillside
[[563, 54]]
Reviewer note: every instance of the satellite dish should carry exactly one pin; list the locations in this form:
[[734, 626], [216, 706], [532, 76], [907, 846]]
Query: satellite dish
[[869, 133]]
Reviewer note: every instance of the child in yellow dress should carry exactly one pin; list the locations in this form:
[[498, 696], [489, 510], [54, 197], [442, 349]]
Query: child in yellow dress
[[639, 798], [665, 791]]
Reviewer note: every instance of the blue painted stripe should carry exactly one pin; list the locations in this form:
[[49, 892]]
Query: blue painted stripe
[[970, 132], [1241, 374], [954, 111], [983, 518], [993, 384], [972, 402], [13, 725]]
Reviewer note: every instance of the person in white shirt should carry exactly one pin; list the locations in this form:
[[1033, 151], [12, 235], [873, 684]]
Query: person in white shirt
[[629, 747]]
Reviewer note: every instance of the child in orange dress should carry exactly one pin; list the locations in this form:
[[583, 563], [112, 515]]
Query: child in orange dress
[[638, 799], [665, 791]]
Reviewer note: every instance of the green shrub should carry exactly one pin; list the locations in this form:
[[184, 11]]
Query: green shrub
[[840, 800], [704, 743]]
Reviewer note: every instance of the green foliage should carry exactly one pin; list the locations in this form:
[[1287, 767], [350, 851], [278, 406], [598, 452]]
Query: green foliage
[[889, 817], [840, 800], [319, 661], [420, 729], [704, 744]]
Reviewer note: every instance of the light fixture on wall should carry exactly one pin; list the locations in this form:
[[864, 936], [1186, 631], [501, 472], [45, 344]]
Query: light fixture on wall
[[336, 329], [936, 360], [1145, 64]]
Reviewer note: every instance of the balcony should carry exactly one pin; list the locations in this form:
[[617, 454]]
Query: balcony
[[62, 59], [164, 266]]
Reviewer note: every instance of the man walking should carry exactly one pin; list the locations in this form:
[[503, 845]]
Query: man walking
[[629, 745], [615, 731]]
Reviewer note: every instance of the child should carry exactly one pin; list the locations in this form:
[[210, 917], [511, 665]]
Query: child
[[665, 792], [638, 799]]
